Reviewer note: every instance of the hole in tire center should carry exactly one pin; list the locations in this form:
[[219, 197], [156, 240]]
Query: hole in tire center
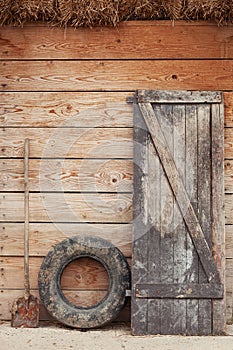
[[84, 282]]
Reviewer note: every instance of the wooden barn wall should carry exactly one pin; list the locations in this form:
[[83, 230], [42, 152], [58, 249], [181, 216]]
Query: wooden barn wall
[[57, 84]]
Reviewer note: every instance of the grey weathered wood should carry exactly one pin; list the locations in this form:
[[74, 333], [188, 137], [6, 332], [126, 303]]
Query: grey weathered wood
[[192, 317], [191, 188], [179, 233], [182, 296], [164, 114], [180, 193], [204, 206], [164, 96], [154, 236], [180, 291], [218, 224], [140, 221]]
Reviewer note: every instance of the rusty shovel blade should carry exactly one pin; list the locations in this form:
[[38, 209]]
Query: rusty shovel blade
[[25, 312]]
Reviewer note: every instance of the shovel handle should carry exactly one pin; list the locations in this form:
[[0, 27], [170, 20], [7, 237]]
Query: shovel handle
[[26, 220]]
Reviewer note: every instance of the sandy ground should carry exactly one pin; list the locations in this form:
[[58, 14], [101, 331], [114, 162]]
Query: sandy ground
[[50, 336]]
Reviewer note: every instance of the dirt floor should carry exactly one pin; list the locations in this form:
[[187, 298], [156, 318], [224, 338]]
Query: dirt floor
[[51, 336]]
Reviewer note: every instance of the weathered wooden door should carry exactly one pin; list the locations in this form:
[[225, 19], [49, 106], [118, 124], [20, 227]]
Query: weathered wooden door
[[178, 227]]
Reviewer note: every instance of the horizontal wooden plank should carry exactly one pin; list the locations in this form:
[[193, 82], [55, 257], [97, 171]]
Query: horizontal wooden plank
[[229, 269], [81, 110], [81, 297], [228, 102], [77, 143], [229, 303], [229, 276], [156, 96], [69, 207], [87, 175], [43, 236], [85, 274], [115, 75], [228, 134], [229, 241], [229, 209], [179, 291], [128, 40], [54, 109], [67, 143], [228, 176]]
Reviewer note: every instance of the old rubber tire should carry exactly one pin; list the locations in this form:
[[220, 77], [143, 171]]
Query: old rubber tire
[[50, 276]]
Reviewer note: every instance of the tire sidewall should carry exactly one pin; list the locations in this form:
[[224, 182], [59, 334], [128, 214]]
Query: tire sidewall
[[51, 271]]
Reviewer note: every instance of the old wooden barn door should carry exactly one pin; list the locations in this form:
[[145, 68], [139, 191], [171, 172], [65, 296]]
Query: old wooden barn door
[[178, 228]]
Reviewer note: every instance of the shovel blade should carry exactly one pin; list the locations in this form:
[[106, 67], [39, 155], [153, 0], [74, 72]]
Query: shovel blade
[[25, 312]]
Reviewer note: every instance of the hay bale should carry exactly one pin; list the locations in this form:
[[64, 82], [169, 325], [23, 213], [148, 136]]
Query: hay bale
[[173, 9], [110, 12], [18, 12], [104, 12], [87, 13], [141, 9], [220, 11]]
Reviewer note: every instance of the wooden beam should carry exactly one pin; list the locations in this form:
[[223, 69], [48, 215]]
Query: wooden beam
[[139, 314], [84, 143], [88, 175], [69, 207], [81, 274], [64, 109], [76, 109], [156, 96], [113, 75], [228, 102], [229, 301], [218, 217], [228, 165], [129, 40], [192, 185], [229, 279], [179, 291], [84, 275], [228, 143], [68, 142], [43, 236], [229, 209], [229, 242], [229, 270]]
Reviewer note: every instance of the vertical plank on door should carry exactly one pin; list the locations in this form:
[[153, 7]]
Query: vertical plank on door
[[179, 232], [218, 234], [191, 188], [140, 216], [154, 267], [204, 205], [164, 114]]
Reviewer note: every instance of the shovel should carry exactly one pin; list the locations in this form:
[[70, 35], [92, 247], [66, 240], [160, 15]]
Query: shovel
[[25, 310]]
